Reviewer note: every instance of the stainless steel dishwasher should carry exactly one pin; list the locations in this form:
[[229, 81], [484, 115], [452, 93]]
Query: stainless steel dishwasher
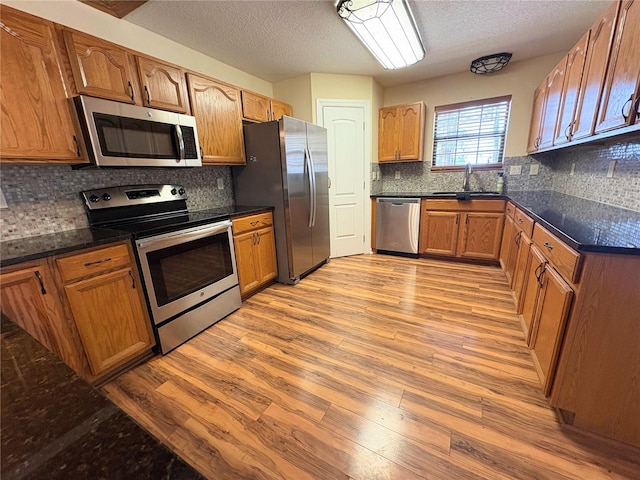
[[397, 225]]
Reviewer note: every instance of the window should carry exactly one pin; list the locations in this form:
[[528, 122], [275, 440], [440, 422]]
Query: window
[[470, 132]]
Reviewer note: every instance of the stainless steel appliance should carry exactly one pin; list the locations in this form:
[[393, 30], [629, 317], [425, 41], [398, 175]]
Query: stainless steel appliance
[[287, 168], [397, 225], [187, 258], [122, 135]]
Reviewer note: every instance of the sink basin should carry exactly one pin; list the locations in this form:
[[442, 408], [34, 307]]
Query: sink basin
[[464, 194]]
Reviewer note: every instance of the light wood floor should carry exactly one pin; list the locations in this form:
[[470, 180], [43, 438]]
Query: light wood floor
[[373, 367]]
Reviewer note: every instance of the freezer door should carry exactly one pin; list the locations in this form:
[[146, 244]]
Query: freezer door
[[298, 185], [317, 151]]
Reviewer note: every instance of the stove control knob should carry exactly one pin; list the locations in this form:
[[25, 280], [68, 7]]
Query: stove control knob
[[174, 191], [106, 197], [94, 198], [181, 191]]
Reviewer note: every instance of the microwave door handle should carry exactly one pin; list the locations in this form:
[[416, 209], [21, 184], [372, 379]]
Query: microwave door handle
[[180, 138]]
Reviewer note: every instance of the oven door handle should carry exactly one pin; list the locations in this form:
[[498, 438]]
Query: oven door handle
[[183, 236]]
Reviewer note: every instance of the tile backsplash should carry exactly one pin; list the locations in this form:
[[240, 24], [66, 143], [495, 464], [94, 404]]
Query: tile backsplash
[[587, 179], [45, 198]]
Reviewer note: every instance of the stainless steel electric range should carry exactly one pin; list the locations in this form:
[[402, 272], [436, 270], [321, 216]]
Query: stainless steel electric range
[[186, 258]]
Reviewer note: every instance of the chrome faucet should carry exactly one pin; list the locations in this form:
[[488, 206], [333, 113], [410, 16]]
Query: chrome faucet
[[467, 173]]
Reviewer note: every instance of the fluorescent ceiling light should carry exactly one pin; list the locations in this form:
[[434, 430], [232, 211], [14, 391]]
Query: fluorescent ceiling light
[[387, 28]]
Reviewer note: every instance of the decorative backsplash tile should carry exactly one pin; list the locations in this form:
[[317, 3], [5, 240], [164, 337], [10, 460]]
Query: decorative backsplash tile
[[588, 180], [45, 198]]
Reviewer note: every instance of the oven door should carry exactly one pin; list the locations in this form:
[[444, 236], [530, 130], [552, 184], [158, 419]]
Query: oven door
[[186, 268]]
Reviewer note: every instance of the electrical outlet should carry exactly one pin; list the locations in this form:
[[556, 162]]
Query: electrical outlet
[[397, 175], [515, 170], [612, 167], [220, 184], [534, 169], [573, 169]]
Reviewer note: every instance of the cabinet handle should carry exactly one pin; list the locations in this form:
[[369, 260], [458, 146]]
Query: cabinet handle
[[258, 237], [254, 223], [567, 131], [638, 107], [269, 116], [131, 91], [77, 145], [516, 238], [457, 218], [146, 90], [521, 220], [201, 153], [626, 117], [255, 238], [466, 219], [548, 245], [133, 280], [39, 277], [104, 260], [540, 267]]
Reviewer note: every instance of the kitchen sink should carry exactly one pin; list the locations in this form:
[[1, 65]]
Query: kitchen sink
[[464, 194]]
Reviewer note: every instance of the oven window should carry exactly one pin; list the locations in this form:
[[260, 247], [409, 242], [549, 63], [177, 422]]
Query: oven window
[[179, 270], [133, 138]]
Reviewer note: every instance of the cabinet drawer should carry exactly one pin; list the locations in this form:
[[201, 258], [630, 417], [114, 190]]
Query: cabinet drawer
[[91, 263], [524, 222], [479, 205], [566, 260], [251, 222], [511, 210]]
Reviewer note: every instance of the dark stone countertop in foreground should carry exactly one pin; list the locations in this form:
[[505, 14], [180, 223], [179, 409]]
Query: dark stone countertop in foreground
[[584, 225], [33, 248], [54, 425]]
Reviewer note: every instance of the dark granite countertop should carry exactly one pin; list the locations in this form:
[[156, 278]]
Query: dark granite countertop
[[54, 425], [435, 195], [32, 248], [584, 225]]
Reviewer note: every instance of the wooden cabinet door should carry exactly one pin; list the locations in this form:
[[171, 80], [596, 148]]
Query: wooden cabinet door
[[266, 255], [100, 68], [247, 263], [506, 243], [388, 131], [36, 120], [594, 72], [537, 113], [514, 240], [531, 290], [278, 109], [411, 132], [162, 85], [555, 81], [110, 319], [523, 259], [256, 107], [621, 92], [219, 120], [569, 97], [440, 233], [481, 235], [549, 324]]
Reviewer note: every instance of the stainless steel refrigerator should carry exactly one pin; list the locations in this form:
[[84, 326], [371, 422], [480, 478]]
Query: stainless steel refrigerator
[[287, 168]]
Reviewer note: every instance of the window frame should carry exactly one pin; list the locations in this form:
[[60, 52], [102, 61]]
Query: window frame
[[460, 105]]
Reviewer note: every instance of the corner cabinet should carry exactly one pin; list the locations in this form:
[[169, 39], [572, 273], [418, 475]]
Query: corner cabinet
[[401, 133], [255, 246], [36, 119], [218, 111], [87, 307], [470, 229]]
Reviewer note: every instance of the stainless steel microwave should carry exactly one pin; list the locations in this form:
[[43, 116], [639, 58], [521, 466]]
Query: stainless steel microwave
[[122, 135]]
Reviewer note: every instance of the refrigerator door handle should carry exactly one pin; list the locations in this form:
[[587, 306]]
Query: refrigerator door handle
[[312, 172], [307, 161]]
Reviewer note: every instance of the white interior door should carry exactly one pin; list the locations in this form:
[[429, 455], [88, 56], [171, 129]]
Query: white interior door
[[347, 148]]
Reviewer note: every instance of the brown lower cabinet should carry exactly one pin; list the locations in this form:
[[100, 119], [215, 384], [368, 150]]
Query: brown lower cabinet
[[87, 307], [255, 246], [579, 313], [464, 229]]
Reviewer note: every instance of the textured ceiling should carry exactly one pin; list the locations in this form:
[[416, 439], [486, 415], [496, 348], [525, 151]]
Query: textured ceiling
[[277, 40]]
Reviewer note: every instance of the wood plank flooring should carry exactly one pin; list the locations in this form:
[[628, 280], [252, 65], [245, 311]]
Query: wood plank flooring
[[373, 367]]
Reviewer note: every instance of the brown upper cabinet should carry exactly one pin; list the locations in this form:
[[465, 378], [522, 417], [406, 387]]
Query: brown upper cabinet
[[401, 133], [36, 119], [594, 91], [218, 111], [257, 108], [106, 70]]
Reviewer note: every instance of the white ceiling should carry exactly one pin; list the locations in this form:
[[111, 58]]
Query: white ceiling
[[277, 40]]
